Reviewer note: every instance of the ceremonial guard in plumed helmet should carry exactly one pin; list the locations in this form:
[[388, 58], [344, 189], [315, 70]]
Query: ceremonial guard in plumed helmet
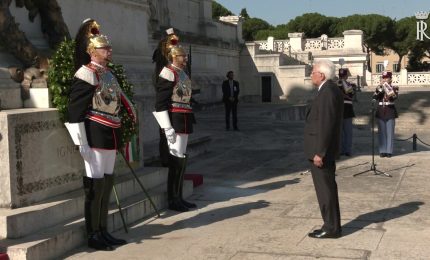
[[94, 124], [386, 113], [348, 90], [160, 58], [175, 116]]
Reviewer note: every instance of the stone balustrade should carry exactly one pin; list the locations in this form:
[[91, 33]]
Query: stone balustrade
[[310, 44], [404, 78]]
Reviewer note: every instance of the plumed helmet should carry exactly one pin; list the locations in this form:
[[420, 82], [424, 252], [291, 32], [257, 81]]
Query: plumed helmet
[[177, 51], [387, 74], [87, 39], [343, 72], [97, 41]]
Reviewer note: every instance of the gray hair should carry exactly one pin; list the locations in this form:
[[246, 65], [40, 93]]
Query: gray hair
[[326, 67]]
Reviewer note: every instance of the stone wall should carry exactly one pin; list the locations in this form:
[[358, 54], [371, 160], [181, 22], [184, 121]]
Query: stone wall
[[289, 62]]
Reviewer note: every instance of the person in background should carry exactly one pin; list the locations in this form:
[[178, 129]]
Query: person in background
[[386, 113], [348, 90], [230, 97]]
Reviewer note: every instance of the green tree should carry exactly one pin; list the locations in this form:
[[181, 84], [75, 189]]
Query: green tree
[[378, 30], [405, 32], [219, 10], [279, 32], [251, 27], [244, 13], [312, 24]]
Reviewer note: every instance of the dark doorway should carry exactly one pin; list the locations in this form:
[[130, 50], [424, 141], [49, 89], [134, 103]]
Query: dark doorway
[[266, 88]]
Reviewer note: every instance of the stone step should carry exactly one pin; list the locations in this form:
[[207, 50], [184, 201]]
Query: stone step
[[56, 241], [16, 223]]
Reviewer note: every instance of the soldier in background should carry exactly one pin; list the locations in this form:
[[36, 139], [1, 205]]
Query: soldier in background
[[348, 90], [386, 113]]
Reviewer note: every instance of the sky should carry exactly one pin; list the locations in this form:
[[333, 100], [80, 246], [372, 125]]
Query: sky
[[281, 11]]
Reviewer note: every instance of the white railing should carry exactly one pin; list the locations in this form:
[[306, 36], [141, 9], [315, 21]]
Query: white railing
[[262, 45], [376, 79], [313, 44], [408, 78], [282, 45], [335, 43], [418, 78], [310, 44]]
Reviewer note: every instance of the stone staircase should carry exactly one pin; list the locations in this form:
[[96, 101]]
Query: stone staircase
[[51, 228]]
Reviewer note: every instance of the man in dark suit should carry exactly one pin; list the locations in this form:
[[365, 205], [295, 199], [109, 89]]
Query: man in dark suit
[[230, 94], [322, 137]]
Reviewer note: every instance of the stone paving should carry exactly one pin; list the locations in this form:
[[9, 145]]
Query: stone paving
[[258, 200]]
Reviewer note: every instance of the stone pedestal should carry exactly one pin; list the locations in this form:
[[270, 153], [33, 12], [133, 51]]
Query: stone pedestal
[[39, 98], [353, 39], [297, 42], [37, 157]]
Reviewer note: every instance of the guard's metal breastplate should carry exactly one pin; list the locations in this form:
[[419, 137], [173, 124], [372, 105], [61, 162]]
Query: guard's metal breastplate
[[182, 91], [107, 97]]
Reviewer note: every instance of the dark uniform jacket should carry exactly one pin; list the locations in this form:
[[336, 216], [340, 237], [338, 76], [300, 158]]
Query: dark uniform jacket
[[226, 91], [102, 132], [385, 108], [348, 108], [323, 123], [173, 93]]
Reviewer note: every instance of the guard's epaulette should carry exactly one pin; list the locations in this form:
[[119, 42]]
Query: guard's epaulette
[[87, 74], [167, 74]]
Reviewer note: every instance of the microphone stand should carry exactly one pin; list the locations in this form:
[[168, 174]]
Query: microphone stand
[[373, 165]]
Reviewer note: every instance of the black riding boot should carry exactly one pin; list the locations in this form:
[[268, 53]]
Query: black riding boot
[[93, 189], [181, 185], [104, 210], [173, 181]]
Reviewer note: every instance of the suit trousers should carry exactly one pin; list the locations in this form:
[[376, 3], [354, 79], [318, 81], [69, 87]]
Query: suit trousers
[[347, 135], [327, 195], [230, 108], [386, 135]]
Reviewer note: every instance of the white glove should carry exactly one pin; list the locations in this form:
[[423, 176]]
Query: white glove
[[170, 134], [86, 152]]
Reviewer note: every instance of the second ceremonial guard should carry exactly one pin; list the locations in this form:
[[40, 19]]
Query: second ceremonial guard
[[175, 116]]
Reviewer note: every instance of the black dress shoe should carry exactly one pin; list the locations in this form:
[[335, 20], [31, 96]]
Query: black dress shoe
[[112, 240], [388, 155], [178, 206], [323, 234], [348, 154], [97, 242], [316, 231], [382, 155], [189, 205]]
